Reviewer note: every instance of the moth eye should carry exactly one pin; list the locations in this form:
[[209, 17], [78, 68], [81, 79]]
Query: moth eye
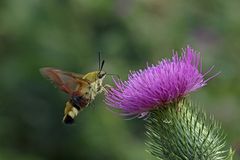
[[100, 75]]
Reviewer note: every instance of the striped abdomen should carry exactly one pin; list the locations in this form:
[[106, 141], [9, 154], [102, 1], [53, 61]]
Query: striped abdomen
[[73, 106]]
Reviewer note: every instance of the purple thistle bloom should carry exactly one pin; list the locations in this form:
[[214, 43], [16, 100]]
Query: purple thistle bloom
[[158, 85]]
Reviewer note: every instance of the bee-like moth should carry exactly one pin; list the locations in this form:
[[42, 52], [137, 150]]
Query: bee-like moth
[[82, 89]]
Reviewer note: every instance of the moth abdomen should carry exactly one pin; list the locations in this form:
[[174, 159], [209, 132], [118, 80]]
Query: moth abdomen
[[73, 107], [67, 119]]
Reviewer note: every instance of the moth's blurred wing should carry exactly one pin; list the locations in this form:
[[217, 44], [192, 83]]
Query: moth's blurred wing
[[65, 81]]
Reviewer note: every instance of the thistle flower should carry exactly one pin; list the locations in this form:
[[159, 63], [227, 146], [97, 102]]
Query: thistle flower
[[157, 85], [180, 131]]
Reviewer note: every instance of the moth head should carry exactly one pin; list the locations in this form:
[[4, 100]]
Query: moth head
[[101, 74]]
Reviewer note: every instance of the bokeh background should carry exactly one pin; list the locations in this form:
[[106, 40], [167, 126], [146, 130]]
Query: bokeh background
[[68, 34]]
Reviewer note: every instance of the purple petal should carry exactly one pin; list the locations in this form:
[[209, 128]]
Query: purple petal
[[157, 85]]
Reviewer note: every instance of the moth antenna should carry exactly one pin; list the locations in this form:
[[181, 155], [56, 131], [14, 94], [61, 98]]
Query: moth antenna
[[101, 66], [99, 60]]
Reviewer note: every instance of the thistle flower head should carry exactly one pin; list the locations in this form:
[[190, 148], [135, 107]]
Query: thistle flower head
[[168, 81]]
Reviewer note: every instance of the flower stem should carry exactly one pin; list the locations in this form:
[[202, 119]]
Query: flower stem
[[181, 131]]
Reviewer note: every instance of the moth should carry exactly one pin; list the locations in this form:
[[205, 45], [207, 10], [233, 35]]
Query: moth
[[82, 89]]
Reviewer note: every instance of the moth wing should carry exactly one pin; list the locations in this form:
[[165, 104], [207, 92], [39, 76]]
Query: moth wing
[[65, 81]]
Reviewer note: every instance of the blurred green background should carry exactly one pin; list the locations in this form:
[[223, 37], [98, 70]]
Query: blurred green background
[[68, 34]]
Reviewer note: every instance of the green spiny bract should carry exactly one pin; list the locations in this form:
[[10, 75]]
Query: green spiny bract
[[182, 132]]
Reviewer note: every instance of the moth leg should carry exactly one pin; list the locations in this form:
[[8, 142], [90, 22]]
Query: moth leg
[[106, 87]]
